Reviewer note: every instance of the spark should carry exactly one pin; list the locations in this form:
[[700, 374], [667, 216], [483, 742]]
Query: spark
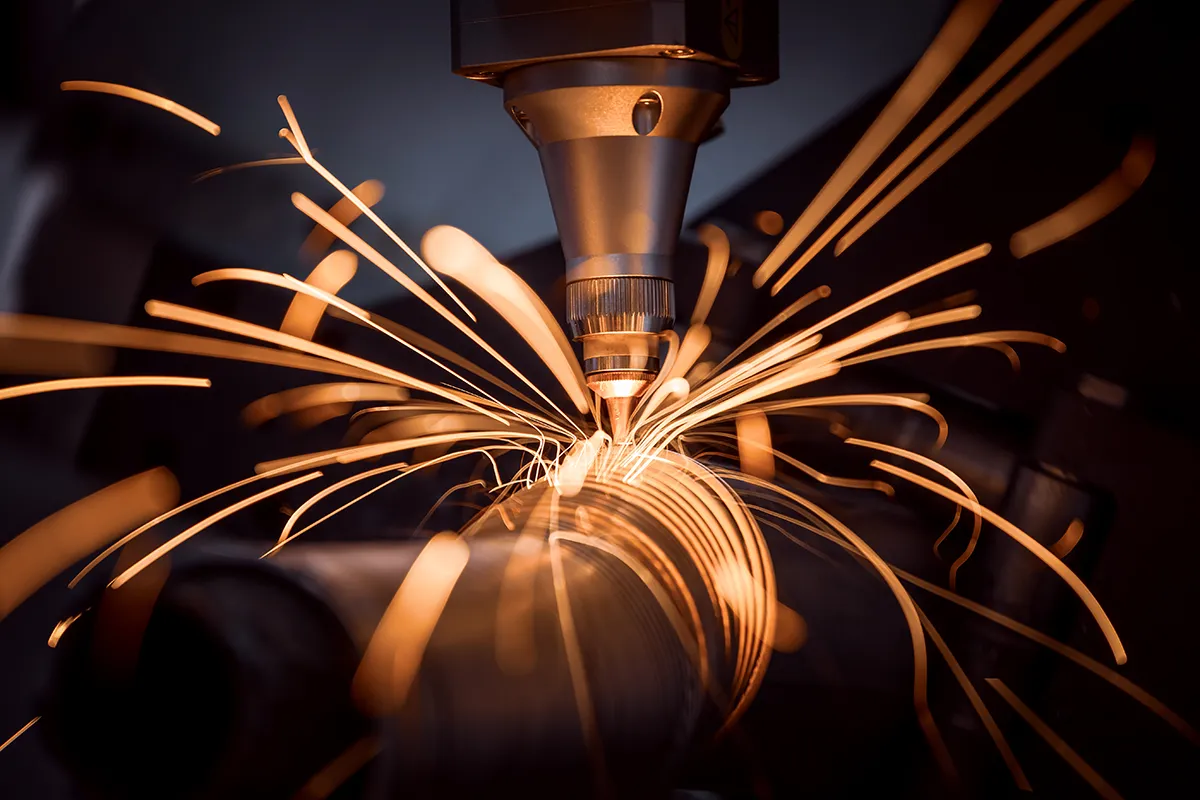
[[718, 264], [275, 405], [60, 628], [17, 735], [296, 138], [345, 211], [34, 557], [959, 32], [331, 275], [68, 384], [170, 106], [755, 453], [262, 162], [1102, 787], [389, 666], [1030, 544], [657, 502], [1050, 19], [207, 522], [1071, 537], [1090, 208]]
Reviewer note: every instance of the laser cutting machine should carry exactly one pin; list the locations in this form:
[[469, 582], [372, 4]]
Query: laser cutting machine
[[616, 97]]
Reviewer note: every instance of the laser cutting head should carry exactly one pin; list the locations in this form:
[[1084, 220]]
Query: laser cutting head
[[616, 98]]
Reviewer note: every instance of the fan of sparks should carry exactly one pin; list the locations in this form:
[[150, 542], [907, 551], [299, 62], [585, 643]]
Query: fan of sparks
[[529, 436]]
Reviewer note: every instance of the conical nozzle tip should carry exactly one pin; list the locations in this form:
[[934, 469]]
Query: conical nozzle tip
[[620, 409]]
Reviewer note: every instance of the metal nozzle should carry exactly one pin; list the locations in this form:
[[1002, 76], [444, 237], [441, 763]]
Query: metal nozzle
[[617, 139]]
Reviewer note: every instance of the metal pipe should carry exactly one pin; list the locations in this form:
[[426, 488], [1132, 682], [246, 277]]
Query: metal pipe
[[241, 683]]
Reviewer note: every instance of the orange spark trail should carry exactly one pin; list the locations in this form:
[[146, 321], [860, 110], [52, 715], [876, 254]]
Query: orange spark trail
[[34, 557], [17, 735], [331, 275], [170, 106], [1071, 537], [203, 524], [66, 384], [262, 162], [718, 263], [393, 656], [1090, 208], [454, 253], [25, 327], [318, 214], [275, 405], [985, 716], [1075, 37], [1030, 544], [369, 193], [296, 138], [157, 308], [755, 453], [1102, 787], [957, 35], [951, 476], [1050, 19]]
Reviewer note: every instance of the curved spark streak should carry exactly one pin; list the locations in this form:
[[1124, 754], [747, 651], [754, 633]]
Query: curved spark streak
[[369, 193], [970, 340], [1030, 544], [312, 291], [208, 521], [301, 398], [319, 215], [949, 475], [262, 162], [1112, 677], [456, 254], [34, 557], [170, 106], [177, 313], [51, 329], [1091, 207], [985, 716], [67, 384], [330, 275], [718, 264], [912, 618]]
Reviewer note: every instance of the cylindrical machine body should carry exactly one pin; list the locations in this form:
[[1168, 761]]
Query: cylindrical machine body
[[617, 139]]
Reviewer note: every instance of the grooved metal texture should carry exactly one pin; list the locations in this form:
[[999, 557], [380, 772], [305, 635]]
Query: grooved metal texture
[[620, 305]]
